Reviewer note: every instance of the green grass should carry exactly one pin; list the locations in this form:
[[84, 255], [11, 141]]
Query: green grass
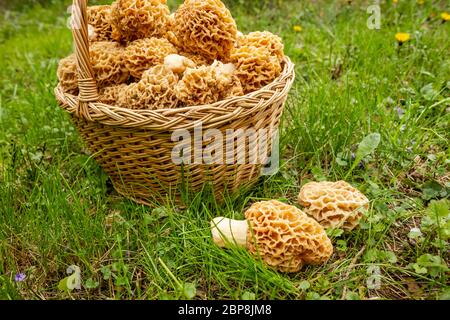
[[351, 81]]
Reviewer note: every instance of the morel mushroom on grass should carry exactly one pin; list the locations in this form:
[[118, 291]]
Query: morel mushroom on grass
[[284, 236], [333, 204]]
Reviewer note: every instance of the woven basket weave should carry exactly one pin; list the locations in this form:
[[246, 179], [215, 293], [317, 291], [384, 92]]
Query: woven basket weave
[[134, 147]]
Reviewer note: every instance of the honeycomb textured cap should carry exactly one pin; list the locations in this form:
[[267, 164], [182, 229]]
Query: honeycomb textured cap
[[156, 90], [110, 95], [228, 82], [205, 27], [67, 74], [107, 59], [207, 84], [99, 17], [285, 237], [333, 204], [142, 54], [256, 67], [138, 19], [266, 40]]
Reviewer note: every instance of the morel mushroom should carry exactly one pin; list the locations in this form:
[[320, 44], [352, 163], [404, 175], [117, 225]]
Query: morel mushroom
[[333, 204], [143, 54], [255, 66], [208, 84], [284, 236], [205, 27], [110, 95], [156, 90], [108, 63], [99, 19], [138, 19], [67, 74], [264, 39]]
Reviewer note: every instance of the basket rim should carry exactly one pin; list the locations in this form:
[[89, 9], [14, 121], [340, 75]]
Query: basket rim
[[186, 117]]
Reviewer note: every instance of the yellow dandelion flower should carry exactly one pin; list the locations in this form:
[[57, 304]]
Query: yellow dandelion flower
[[402, 37], [445, 16], [421, 2], [298, 28]]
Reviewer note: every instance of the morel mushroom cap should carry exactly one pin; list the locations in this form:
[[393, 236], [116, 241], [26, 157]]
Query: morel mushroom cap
[[99, 17], [138, 19], [205, 27], [264, 39], [284, 236], [67, 74], [142, 54], [256, 66], [229, 84], [333, 204], [110, 95], [156, 90], [108, 63], [207, 84]]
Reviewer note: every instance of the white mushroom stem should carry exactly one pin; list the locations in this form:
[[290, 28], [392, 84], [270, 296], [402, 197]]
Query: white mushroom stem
[[92, 35], [178, 63], [228, 231]]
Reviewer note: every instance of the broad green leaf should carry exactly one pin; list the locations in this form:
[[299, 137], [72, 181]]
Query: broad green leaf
[[121, 281], [91, 284], [431, 189], [340, 160], [165, 296], [390, 256], [63, 284], [189, 290], [418, 269], [73, 281], [428, 92], [439, 209], [371, 255], [304, 285], [368, 145], [312, 296], [341, 245], [318, 174], [352, 296], [106, 271], [68, 283], [415, 233], [428, 260], [335, 233], [160, 212], [248, 296], [445, 295]]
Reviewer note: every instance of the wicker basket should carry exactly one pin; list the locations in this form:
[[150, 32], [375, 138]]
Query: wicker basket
[[134, 147]]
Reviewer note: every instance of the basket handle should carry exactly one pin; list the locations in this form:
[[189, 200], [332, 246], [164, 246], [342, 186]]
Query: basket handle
[[88, 91]]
